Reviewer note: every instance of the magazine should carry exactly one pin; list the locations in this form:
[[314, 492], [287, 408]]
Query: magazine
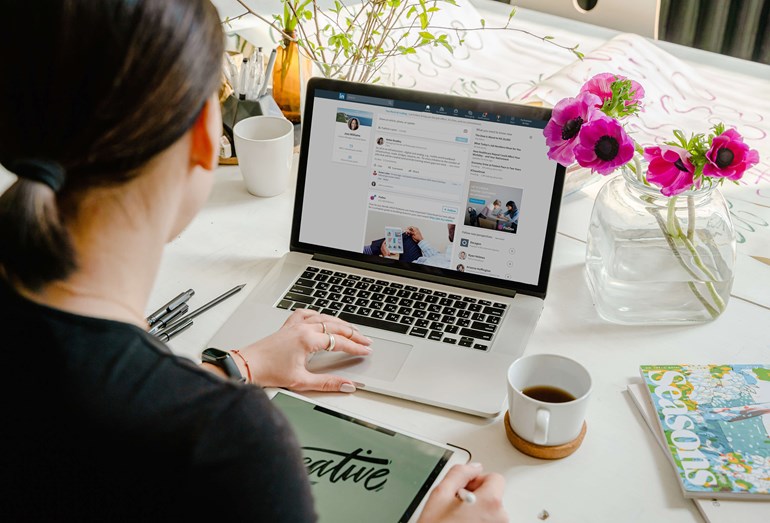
[[712, 510], [715, 420]]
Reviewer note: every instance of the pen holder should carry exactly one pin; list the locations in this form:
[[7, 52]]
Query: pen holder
[[233, 111]]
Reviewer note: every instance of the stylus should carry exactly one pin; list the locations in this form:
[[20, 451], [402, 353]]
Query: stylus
[[466, 496]]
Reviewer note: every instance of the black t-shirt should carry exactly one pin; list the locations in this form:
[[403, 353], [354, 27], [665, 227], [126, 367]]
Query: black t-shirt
[[102, 422]]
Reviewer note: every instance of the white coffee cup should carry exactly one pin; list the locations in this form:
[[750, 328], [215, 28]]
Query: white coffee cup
[[544, 422], [264, 146]]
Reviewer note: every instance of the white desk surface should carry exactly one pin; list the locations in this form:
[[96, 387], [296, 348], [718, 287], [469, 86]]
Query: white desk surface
[[619, 473]]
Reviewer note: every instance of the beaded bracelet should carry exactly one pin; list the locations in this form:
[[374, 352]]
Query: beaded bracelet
[[245, 362]]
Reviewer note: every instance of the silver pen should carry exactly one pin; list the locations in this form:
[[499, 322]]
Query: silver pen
[[203, 308], [170, 306], [174, 330], [167, 318]]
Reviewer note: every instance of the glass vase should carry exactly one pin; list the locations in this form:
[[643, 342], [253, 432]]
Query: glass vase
[[653, 259], [287, 79]]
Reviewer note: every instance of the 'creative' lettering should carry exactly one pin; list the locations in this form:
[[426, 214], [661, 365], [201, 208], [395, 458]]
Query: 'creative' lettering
[[369, 471]]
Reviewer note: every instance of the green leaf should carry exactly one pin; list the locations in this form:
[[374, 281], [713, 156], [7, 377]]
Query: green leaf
[[483, 23], [423, 21], [425, 35], [548, 38], [512, 14]]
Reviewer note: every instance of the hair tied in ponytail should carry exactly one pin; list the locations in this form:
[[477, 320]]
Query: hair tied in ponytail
[[46, 172]]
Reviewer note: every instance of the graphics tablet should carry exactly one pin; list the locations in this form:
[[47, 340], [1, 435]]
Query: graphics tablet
[[360, 470]]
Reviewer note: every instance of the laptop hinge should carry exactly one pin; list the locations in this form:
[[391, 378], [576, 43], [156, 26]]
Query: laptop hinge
[[481, 287]]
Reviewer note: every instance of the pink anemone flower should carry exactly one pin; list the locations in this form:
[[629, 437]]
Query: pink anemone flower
[[670, 169], [729, 157], [568, 116], [603, 145], [600, 85]]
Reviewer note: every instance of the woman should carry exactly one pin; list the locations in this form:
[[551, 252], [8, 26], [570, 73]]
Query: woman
[[113, 139], [511, 216]]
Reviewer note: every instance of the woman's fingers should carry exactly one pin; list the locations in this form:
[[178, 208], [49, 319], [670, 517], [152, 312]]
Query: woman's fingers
[[458, 477], [323, 342], [324, 383], [347, 330], [347, 336], [336, 326]]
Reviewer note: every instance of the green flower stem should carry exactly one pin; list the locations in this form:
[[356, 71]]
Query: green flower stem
[[672, 245], [711, 310], [671, 222], [638, 164], [699, 263], [676, 232]]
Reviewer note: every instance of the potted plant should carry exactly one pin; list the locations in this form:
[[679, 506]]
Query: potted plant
[[355, 42]]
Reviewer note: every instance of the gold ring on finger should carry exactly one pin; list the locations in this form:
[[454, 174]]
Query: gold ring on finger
[[332, 342], [324, 326]]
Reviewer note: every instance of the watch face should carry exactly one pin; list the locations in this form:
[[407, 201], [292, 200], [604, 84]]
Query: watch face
[[212, 355]]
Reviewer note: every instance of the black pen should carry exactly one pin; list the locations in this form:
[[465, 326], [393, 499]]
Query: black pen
[[204, 308], [173, 304], [166, 319], [173, 330]]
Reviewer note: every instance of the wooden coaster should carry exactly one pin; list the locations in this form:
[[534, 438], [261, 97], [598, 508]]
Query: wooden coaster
[[541, 451]]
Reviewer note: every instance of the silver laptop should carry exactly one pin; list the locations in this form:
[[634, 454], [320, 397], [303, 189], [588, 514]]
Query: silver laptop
[[427, 220]]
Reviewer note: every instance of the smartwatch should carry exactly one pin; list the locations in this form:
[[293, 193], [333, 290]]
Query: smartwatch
[[224, 361]]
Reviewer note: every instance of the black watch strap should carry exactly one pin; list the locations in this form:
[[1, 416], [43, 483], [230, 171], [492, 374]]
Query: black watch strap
[[224, 361]]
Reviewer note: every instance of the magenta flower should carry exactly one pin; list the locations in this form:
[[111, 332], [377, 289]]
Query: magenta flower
[[729, 157], [600, 85], [567, 118], [670, 169], [603, 145]]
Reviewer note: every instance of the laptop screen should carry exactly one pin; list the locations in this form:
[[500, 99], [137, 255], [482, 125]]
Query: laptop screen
[[433, 184]]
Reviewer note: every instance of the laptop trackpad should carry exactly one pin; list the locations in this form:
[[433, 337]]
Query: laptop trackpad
[[383, 363]]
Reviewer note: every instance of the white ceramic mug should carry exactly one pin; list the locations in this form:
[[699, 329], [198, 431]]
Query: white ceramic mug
[[265, 148], [541, 422]]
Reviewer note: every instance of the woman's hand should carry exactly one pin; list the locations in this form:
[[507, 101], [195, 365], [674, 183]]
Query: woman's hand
[[384, 249], [280, 359], [445, 507]]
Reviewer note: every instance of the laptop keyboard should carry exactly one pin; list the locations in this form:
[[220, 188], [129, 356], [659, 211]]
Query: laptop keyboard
[[406, 309]]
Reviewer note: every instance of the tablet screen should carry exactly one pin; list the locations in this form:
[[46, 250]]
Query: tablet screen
[[359, 471]]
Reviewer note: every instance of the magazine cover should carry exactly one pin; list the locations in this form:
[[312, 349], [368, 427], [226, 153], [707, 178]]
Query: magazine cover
[[715, 420]]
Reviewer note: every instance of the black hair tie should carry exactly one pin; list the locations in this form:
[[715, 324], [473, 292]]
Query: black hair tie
[[43, 171]]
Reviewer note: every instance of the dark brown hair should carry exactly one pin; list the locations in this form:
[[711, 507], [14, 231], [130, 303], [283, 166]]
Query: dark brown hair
[[99, 87]]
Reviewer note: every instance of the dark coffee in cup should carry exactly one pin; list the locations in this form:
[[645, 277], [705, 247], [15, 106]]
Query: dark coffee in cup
[[548, 394]]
